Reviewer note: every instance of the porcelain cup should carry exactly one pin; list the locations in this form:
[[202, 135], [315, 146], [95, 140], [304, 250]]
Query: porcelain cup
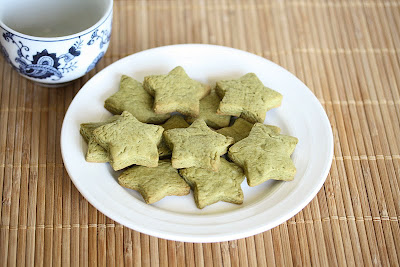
[[54, 42]]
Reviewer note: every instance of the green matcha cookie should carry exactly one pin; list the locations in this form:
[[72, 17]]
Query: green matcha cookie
[[208, 112], [175, 92], [154, 183], [95, 152], [247, 97], [175, 121], [241, 129], [210, 187], [197, 146], [264, 155], [133, 98], [129, 141]]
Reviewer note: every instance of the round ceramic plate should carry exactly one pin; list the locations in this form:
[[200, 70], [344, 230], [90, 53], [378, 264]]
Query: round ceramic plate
[[177, 218]]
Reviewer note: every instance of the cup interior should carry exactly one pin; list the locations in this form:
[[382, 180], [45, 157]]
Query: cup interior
[[52, 18]]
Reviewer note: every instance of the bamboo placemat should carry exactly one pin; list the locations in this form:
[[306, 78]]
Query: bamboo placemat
[[347, 52]]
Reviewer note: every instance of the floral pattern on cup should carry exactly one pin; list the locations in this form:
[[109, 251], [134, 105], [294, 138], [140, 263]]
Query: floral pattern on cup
[[56, 61], [44, 64]]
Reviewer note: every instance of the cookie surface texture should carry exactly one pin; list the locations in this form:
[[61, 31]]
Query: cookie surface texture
[[208, 112], [175, 91], [95, 152], [132, 97], [196, 146], [210, 187], [175, 121], [241, 129], [247, 97], [154, 183], [265, 155], [129, 141]]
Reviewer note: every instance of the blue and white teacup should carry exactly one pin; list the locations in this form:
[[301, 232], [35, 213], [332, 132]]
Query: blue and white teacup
[[54, 42]]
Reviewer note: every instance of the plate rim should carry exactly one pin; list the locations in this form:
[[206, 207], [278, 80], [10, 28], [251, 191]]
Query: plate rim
[[215, 237]]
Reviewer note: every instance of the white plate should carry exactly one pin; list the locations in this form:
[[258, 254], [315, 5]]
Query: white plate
[[177, 218]]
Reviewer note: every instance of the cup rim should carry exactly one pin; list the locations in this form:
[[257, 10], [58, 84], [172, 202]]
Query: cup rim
[[105, 16]]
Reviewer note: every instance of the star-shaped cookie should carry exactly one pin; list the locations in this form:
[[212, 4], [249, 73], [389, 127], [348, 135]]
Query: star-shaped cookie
[[210, 187], [241, 129], [175, 91], [208, 112], [247, 97], [175, 121], [196, 146], [95, 152], [154, 183], [132, 97], [264, 155], [129, 141]]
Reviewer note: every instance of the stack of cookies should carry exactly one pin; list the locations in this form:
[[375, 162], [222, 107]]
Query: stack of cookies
[[172, 134]]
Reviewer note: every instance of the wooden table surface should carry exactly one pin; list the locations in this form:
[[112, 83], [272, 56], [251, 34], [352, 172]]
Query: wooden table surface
[[346, 52]]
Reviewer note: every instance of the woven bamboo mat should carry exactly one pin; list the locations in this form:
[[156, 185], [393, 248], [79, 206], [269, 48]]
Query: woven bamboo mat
[[347, 52]]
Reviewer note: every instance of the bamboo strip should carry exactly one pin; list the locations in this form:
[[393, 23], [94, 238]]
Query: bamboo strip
[[216, 254], [195, 23], [50, 170], [119, 245], [128, 247], [171, 253], [242, 252], [137, 249], [23, 200], [66, 198], [180, 253], [41, 183], [251, 251], [234, 253], [83, 232], [92, 236], [207, 254], [102, 240], [4, 70], [4, 179], [269, 248], [198, 254], [178, 17], [226, 260], [9, 186], [110, 243], [17, 173], [154, 258], [260, 250], [145, 249], [166, 15], [58, 182], [277, 245], [163, 251], [189, 254]]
